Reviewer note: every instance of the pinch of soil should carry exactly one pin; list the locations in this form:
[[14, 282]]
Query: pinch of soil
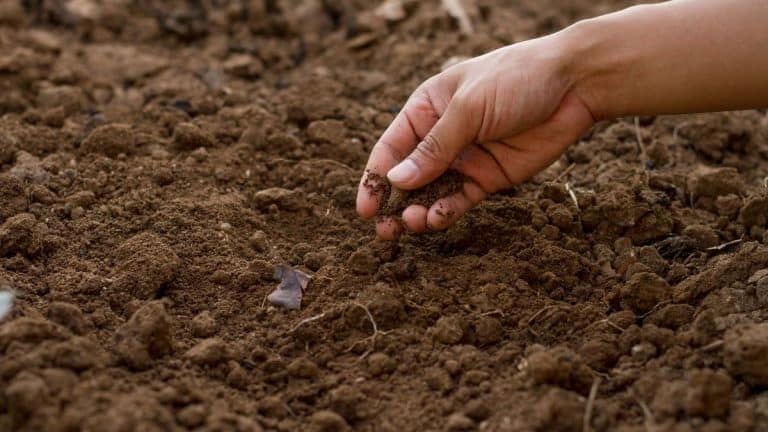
[[13, 199], [146, 336], [110, 140], [396, 200], [745, 350], [145, 264]]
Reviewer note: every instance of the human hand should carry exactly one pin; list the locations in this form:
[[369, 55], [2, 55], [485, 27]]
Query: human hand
[[498, 119]]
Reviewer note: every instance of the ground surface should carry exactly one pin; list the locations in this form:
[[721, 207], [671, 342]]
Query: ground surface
[[158, 159]]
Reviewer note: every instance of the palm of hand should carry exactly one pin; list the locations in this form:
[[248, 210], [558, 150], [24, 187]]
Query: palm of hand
[[486, 128]]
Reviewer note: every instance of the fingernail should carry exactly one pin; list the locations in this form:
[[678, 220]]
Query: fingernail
[[403, 172]]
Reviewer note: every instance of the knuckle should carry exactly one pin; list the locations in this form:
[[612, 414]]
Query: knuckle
[[433, 149]]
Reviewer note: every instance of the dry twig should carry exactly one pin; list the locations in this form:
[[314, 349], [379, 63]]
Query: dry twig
[[307, 320], [587, 427]]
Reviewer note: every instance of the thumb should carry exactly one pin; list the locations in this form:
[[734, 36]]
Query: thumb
[[452, 132]]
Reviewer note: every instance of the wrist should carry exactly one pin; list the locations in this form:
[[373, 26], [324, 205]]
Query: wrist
[[598, 61]]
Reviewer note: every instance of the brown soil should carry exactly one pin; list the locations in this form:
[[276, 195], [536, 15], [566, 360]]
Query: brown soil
[[159, 159], [396, 200]]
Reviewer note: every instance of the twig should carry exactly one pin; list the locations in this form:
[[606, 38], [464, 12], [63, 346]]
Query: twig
[[648, 419], [493, 312], [587, 427], [375, 330], [712, 346], [725, 245], [641, 146], [536, 315], [564, 173], [307, 320], [610, 324], [573, 195]]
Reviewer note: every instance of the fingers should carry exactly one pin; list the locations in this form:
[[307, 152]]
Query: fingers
[[456, 129], [389, 228], [413, 122]]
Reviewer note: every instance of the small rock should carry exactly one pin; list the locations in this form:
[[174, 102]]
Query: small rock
[[363, 261], [380, 364], [110, 140], [146, 336], [208, 352], [204, 325], [745, 353], [328, 421], [187, 136], [259, 242], [459, 422], [643, 291], [448, 330]]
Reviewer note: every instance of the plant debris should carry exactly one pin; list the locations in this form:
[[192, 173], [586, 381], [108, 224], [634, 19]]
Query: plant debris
[[291, 289]]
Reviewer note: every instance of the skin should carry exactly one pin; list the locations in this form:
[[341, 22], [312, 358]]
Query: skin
[[502, 117]]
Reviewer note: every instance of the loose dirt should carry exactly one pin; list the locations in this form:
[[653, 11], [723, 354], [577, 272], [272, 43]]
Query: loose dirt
[[159, 159]]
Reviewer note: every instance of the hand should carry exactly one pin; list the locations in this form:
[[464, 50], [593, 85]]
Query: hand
[[498, 119]]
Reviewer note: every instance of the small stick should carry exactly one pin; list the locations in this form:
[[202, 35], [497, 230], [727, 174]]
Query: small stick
[[573, 195], [641, 146], [725, 245], [564, 173], [307, 320], [610, 324], [712, 346], [587, 427], [493, 312], [375, 329]]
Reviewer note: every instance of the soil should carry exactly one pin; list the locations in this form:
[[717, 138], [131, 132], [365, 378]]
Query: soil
[[396, 200], [158, 160]]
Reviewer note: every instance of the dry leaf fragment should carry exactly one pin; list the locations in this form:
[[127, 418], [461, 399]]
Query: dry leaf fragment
[[291, 289]]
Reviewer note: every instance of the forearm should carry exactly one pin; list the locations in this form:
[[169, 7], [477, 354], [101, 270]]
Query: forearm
[[676, 57]]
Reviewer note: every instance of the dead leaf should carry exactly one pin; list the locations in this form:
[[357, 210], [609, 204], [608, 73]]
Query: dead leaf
[[291, 289]]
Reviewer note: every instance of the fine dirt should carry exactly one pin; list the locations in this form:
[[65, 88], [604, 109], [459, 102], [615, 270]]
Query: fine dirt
[[158, 160]]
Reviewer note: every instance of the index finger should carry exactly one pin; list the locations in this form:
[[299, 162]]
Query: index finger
[[410, 126]]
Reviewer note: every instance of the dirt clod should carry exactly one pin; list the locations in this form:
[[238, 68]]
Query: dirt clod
[[745, 350], [643, 291], [208, 352], [145, 264], [146, 336], [110, 140]]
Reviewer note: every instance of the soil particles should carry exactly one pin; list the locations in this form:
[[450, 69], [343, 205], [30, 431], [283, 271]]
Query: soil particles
[[160, 159]]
